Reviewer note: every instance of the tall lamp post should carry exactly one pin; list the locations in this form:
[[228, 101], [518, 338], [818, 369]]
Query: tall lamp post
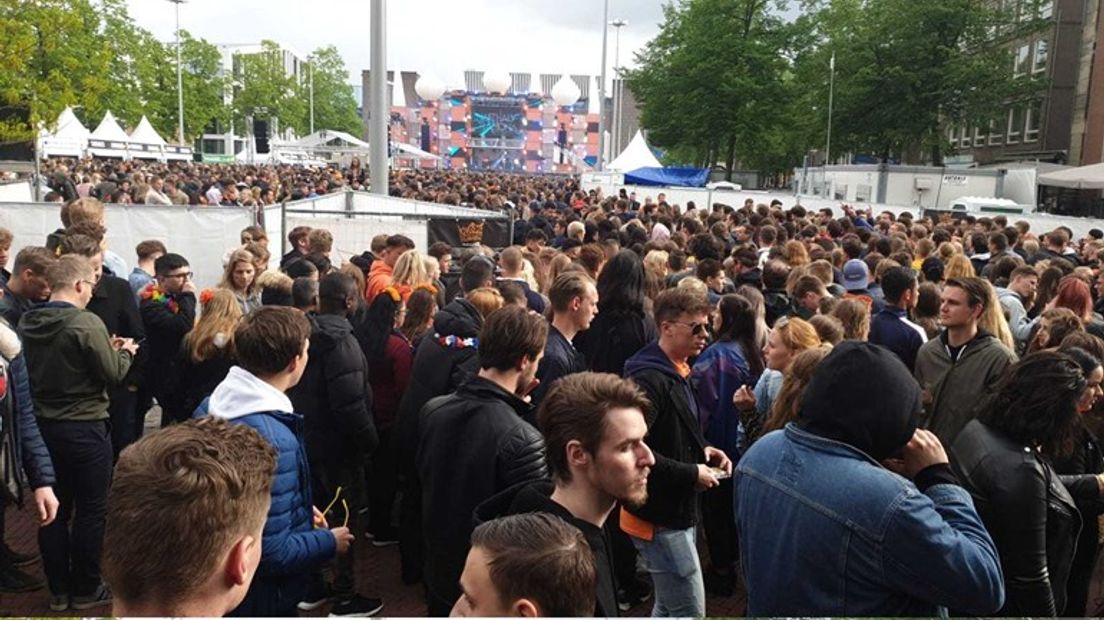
[[378, 100], [602, 88], [618, 87], [179, 78], [311, 82], [831, 92]]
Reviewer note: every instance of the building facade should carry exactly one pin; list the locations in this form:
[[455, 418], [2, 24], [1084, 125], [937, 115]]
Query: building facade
[[1087, 141]]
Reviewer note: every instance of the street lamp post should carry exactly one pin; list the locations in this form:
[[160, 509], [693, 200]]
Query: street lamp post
[[311, 60], [619, 86], [378, 100], [602, 89], [179, 78], [831, 92]]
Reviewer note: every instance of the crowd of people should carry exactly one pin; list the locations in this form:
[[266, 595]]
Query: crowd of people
[[841, 414], [189, 183]]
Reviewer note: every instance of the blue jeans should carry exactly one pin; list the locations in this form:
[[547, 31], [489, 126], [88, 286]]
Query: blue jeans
[[672, 558]]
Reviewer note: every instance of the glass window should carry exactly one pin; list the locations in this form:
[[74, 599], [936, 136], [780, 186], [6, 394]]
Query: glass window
[[996, 133], [964, 138], [952, 137], [1046, 9], [1023, 54], [1015, 124], [979, 135], [1031, 130], [1040, 56]]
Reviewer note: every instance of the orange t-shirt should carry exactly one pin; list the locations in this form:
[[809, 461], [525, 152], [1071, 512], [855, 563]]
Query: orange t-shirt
[[636, 527]]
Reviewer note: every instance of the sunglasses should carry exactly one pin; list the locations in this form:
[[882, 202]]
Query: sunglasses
[[697, 329], [344, 506]]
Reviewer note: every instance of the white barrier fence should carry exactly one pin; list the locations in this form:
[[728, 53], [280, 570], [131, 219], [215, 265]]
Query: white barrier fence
[[200, 234]]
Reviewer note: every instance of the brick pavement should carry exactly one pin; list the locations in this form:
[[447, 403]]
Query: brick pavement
[[378, 574]]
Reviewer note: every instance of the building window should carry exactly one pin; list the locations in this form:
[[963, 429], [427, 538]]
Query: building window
[[952, 137], [964, 138], [1023, 55], [1015, 124], [1040, 56], [996, 132], [1046, 9], [979, 136], [1031, 130]]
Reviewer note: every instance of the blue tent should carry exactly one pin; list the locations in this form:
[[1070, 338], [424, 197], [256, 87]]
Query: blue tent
[[681, 177]]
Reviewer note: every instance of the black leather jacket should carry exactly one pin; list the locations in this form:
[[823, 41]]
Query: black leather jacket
[[1029, 511], [472, 445]]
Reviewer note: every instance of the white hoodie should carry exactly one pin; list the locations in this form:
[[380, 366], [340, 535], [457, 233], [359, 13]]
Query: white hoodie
[[241, 393]]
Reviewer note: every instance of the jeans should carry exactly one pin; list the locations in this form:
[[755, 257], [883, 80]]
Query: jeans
[[672, 559], [81, 452]]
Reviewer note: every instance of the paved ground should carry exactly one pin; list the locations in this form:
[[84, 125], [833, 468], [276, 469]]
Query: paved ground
[[379, 576]]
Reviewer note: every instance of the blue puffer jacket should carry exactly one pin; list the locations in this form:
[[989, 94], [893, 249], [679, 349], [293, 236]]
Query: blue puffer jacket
[[30, 449], [292, 548]]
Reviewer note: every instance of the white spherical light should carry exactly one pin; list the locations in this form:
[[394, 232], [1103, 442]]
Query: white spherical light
[[429, 87], [565, 91], [497, 82]]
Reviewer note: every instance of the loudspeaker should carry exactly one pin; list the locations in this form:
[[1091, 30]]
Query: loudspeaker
[[16, 150], [260, 133]]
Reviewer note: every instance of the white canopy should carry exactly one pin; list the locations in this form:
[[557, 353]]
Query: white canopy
[[411, 151], [68, 140], [109, 139], [332, 138], [636, 155], [1085, 177], [146, 143]]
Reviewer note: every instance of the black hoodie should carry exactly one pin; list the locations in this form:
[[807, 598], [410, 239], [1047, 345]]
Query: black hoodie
[[537, 497]]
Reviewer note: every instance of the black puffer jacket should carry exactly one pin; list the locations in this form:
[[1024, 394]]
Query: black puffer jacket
[[1030, 512], [334, 395], [473, 444], [438, 370]]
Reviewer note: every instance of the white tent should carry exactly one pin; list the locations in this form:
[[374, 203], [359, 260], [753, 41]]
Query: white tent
[[68, 140], [1085, 177], [331, 138], [145, 142], [109, 139], [636, 155]]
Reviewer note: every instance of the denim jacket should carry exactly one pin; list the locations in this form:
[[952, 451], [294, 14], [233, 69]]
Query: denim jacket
[[826, 531]]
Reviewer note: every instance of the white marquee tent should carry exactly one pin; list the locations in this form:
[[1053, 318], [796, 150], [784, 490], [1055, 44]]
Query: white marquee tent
[[1085, 177], [636, 155], [68, 140], [109, 139]]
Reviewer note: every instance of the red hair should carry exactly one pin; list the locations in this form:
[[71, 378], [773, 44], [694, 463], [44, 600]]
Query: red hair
[[1073, 293]]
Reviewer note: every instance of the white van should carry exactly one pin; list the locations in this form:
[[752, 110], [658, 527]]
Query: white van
[[987, 204]]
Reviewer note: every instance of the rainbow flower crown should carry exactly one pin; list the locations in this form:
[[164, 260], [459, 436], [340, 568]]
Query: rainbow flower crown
[[153, 293]]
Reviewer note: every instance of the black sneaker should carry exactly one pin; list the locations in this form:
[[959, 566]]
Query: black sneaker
[[99, 598], [385, 537], [316, 597], [13, 580], [17, 558], [357, 607]]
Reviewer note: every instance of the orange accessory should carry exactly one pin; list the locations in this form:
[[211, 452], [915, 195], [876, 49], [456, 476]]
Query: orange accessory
[[636, 527]]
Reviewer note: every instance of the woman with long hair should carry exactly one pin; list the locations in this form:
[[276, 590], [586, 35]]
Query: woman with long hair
[[789, 337], [1074, 293], [992, 319], [420, 310], [1087, 458], [390, 358], [787, 405], [207, 352], [655, 272], [926, 312], [239, 278], [1005, 459], [409, 272], [1052, 328], [621, 328], [1046, 291], [854, 315], [734, 359], [759, 304]]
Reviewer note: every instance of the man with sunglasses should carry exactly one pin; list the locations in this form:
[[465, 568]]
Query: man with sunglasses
[[663, 528], [168, 309]]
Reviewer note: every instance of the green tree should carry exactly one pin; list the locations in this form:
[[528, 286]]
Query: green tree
[[907, 70], [51, 56], [334, 105], [204, 88], [264, 90], [711, 84]]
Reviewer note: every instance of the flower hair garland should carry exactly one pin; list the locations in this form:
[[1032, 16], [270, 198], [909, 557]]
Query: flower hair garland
[[206, 295], [153, 293]]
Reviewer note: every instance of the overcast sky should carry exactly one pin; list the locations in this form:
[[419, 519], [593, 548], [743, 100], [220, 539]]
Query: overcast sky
[[440, 36]]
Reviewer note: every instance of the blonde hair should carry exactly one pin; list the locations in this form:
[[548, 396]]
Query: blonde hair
[[797, 335], [787, 404], [795, 253], [239, 256], [220, 315], [992, 318], [656, 261], [486, 300], [854, 314], [410, 270], [959, 267], [694, 284]]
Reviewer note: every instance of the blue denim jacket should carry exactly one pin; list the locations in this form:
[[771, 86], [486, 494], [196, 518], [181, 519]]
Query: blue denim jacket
[[826, 531]]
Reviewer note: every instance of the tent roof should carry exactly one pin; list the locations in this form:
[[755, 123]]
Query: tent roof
[[324, 137], [144, 133], [409, 150], [110, 130], [69, 126], [636, 155], [1085, 177]]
